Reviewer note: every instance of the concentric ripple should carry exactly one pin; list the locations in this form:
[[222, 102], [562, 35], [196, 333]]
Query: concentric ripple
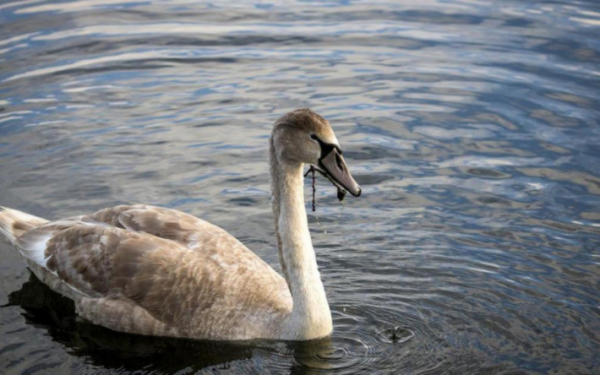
[[345, 354]]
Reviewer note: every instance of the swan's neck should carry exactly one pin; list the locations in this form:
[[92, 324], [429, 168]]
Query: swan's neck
[[310, 316]]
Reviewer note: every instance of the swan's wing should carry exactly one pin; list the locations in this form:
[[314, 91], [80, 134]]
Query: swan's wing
[[94, 260], [197, 292], [174, 225]]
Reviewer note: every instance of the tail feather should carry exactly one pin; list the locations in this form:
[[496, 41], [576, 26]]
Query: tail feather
[[13, 223]]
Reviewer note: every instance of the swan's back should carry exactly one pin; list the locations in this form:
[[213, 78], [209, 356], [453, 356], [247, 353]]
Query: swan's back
[[156, 271]]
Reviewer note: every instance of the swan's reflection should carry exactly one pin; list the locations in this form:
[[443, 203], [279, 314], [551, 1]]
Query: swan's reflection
[[108, 349]]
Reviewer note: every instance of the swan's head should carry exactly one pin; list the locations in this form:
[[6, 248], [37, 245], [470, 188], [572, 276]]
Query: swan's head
[[302, 136]]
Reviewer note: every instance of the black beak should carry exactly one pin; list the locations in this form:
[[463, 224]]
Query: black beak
[[333, 166]]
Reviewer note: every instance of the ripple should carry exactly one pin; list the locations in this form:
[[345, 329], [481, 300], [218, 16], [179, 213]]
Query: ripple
[[396, 334], [343, 355]]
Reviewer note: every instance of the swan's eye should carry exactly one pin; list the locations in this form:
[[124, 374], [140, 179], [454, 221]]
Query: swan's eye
[[314, 137]]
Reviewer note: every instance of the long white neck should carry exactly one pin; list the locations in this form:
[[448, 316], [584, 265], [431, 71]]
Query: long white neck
[[311, 317]]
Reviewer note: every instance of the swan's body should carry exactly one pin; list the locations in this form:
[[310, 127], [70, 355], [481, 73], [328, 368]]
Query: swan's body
[[155, 271]]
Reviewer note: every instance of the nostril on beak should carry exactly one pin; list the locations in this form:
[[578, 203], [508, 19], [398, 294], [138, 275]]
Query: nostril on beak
[[339, 162]]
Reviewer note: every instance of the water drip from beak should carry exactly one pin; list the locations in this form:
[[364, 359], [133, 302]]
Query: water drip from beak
[[341, 193]]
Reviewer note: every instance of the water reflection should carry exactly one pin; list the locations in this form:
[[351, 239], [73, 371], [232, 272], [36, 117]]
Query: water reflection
[[46, 309]]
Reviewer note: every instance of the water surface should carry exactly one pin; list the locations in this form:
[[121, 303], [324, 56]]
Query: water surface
[[471, 125]]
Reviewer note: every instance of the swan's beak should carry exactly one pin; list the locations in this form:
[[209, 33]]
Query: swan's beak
[[337, 171]]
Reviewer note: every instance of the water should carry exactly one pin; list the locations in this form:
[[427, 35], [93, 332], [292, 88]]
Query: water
[[472, 127]]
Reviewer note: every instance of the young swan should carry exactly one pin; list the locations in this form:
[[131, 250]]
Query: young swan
[[156, 271]]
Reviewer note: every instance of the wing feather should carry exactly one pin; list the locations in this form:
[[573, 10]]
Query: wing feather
[[174, 225], [183, 271]]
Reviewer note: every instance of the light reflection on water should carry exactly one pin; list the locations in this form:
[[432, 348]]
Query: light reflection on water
[[471, 125]]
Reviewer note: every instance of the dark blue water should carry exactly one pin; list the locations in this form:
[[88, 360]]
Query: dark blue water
[[473, 127]]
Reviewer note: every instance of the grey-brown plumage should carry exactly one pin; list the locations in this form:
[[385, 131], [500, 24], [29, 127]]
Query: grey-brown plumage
[[156, 271], [152, 270]]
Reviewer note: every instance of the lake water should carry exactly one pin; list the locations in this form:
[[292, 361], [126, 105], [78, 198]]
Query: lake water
[[472, 126]]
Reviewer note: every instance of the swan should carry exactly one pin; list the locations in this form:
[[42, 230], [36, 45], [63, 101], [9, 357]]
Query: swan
[[156, 271]]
